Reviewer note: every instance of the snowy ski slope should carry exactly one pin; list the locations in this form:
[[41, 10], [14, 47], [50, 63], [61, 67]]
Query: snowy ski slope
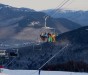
[[36, 72]]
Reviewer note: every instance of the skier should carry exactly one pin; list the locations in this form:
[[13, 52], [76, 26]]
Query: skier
[[49, 37], [42, 36], [53, 38]]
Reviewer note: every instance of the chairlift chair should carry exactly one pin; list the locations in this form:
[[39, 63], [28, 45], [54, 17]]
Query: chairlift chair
[[47, 29], [2, 53], [44, 29], [14, 53]]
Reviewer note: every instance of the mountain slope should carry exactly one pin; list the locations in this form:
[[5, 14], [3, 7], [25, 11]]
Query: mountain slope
[[20, 23], [74, 56], [79, 17]]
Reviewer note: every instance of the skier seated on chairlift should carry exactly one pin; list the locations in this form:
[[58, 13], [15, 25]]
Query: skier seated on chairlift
[[48, 37], [44, 36], [51, 37]]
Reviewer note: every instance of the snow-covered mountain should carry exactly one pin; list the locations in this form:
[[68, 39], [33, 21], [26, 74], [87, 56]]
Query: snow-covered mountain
[[2, 7], [20, 23], [73, 15]]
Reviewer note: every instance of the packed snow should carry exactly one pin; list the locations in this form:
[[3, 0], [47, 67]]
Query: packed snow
[[36, 72]]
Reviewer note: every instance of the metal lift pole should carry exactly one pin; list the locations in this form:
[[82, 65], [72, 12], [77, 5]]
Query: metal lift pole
[[52, 58], [46, 20]]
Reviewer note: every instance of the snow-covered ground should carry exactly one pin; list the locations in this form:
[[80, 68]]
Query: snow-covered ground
[[35, 72]]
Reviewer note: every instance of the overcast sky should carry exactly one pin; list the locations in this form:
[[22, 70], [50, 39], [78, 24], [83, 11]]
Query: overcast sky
[[47, 4]]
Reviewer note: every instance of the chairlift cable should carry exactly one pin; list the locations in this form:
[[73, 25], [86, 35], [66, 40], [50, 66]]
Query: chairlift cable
[[10, 62], [61, 50], [60, 7], [57, 8], [53, 57]]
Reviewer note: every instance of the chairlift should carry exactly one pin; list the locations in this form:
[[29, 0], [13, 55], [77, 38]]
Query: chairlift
[[46, 30], [2, 53], [14, 53]]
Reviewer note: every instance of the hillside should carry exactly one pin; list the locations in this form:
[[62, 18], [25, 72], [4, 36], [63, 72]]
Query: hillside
[[75, 54]]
